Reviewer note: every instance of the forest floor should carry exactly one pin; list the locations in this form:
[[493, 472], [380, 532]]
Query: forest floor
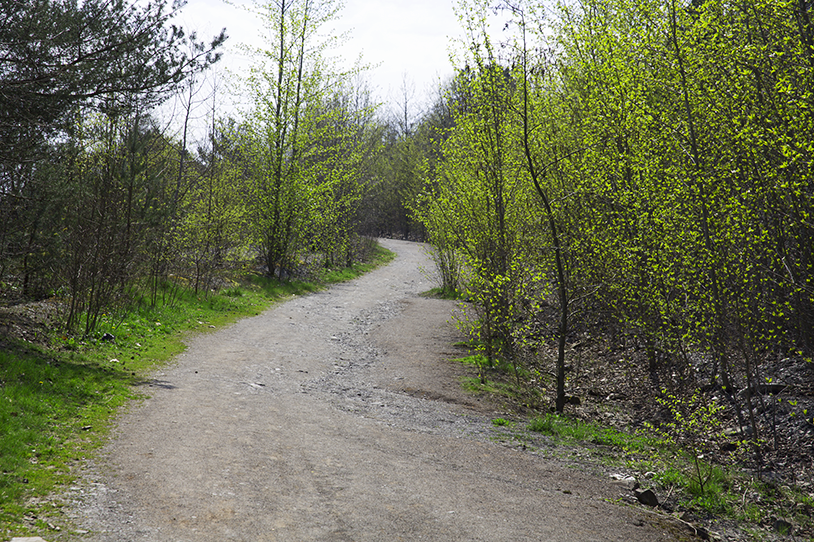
[[340, 416]]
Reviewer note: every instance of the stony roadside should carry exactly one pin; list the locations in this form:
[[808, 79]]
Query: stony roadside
[[338, 417]]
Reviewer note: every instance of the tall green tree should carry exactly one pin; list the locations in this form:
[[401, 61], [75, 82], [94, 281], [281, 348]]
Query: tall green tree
[[287, 85], [306, 135], [478, 194], [345, 142]]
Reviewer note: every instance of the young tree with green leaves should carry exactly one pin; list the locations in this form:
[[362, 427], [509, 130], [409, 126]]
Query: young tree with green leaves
[[344, 145], [288, 85]]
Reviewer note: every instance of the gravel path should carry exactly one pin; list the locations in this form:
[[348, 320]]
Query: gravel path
[[336, 417]]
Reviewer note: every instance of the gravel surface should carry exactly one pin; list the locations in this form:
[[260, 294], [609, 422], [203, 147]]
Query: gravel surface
[[338, 417]]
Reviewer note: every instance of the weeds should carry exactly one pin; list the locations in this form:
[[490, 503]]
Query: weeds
[[492, 380], [723, 492]]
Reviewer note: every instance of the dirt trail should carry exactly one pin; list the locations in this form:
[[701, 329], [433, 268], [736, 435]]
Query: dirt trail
[[334, 417]]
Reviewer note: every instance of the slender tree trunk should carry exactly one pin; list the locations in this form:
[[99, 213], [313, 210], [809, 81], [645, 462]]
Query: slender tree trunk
[[536, 177]]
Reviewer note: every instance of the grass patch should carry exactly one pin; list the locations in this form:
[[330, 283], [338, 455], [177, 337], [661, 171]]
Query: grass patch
[[723, 491], [275, 289], [579, 431], [497, 366], [54, 408], [57, 403], [673, 467], [441, 293], [501, 379], [492, 387]]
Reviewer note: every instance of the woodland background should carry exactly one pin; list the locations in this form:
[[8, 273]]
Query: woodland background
[[639, 170]]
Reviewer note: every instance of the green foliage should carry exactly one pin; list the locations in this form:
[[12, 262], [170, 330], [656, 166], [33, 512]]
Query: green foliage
[[472, 207], [60, 55], [212, 236], [693, 420], [104, 204], [121, 202], [79, 168], [684, 459], [492, 387], [718, 495], [642, 161], [543, 424], [444, 249], [642, 164], [305, 142], [695, 426]]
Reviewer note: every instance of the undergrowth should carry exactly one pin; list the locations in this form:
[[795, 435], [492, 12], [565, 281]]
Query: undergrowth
[[501, 381], [441, 293], [682, 474]]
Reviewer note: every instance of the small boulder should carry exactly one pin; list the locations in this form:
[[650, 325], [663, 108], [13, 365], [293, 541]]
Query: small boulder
[[625, 481], [783, 527], [647, 497], [729, 447]]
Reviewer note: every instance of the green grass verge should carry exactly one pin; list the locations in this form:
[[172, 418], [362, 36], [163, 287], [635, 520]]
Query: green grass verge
[[380, 256], [577, 430], [57, 403], [54, 406]]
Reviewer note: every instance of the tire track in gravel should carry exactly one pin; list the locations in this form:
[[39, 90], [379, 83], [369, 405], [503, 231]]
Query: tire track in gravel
[[335, 417]]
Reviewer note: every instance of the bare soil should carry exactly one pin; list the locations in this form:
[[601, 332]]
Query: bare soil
[[339, 416]]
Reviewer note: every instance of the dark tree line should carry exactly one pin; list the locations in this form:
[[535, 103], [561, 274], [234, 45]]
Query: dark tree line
[[71, 69]]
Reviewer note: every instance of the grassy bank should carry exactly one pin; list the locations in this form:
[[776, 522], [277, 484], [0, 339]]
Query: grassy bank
[[60, 395]]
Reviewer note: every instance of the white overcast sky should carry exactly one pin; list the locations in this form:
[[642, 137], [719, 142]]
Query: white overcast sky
[[405, 40], [401, 37]]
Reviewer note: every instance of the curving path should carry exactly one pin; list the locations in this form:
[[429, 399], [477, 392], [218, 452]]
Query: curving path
[[334, 417]]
